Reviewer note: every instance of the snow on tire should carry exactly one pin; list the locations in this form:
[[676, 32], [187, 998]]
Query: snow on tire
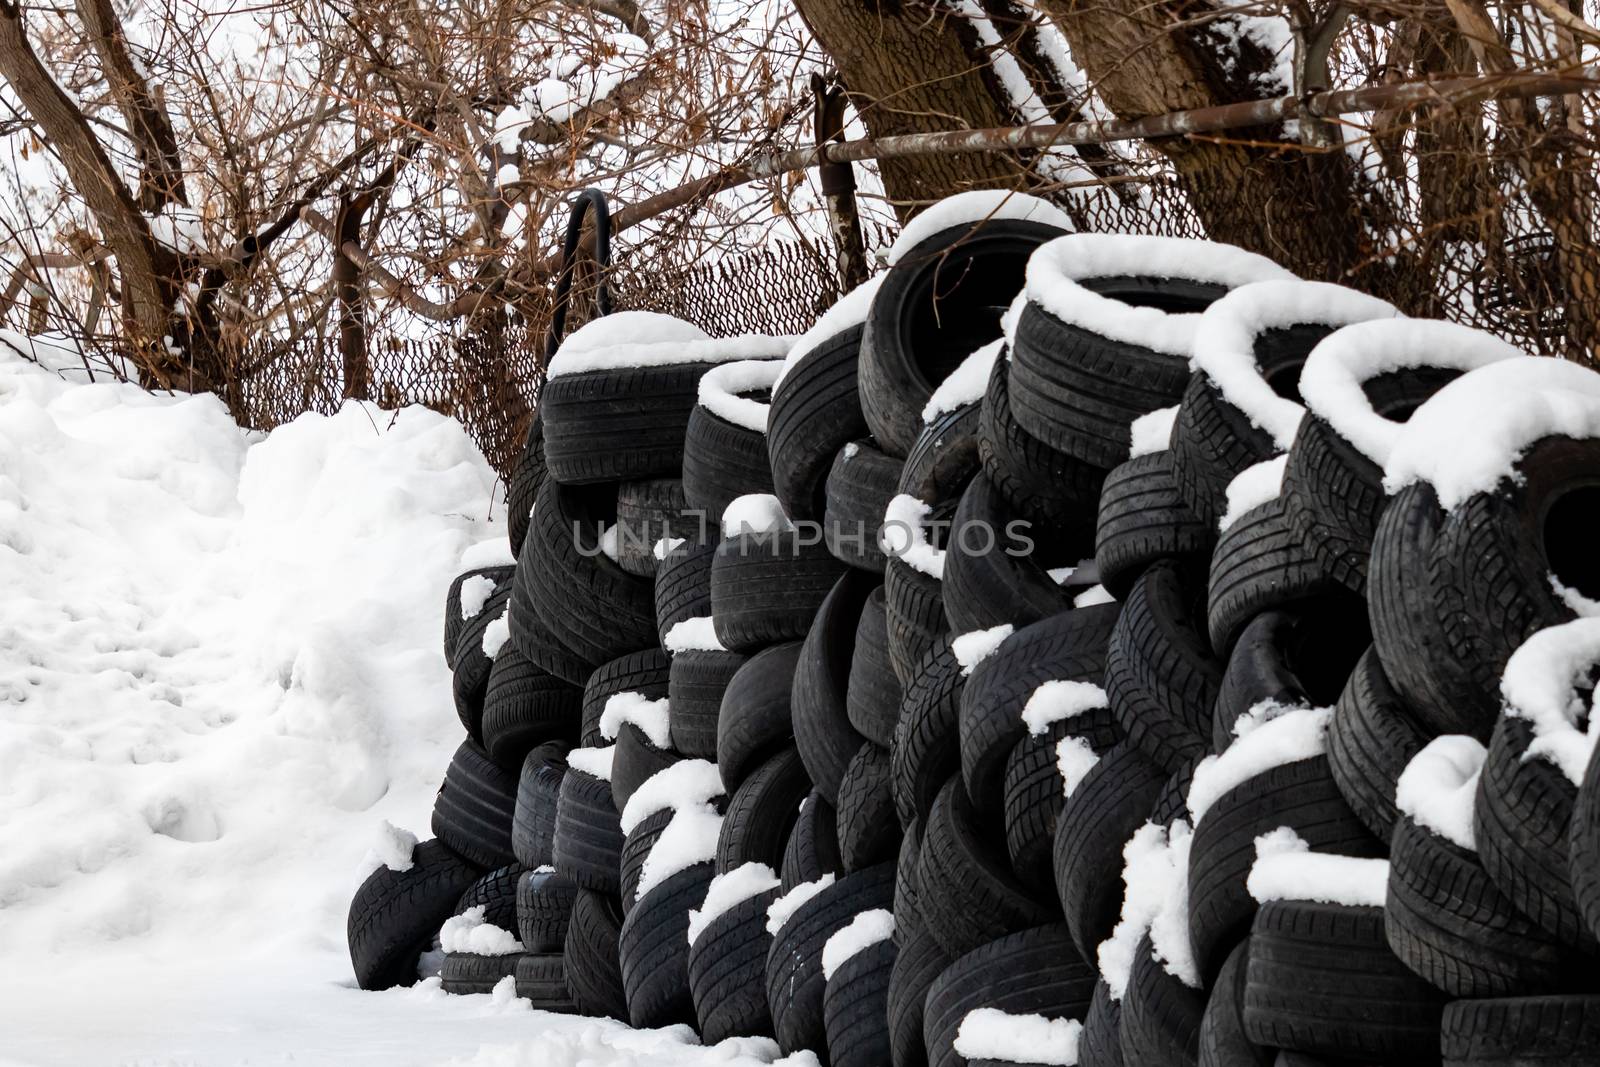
[[396, 913], [650, 949]]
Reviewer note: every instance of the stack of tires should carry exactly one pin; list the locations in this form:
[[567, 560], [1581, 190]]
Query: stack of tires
[[1076, 649]]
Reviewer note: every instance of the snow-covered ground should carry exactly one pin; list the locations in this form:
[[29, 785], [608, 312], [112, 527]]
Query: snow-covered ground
[[220, 670]]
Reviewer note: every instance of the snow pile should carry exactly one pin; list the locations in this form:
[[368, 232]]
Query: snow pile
[[965, 385], [689, 838], [686, 785], [1058, 269], [698, 634], [973, 209], [573, 82], [1152, 432], [728, 890], [650, 716], [1438, 789], [992, 1034], [1287, 869], [1169, 926], [1225, 342], [849, 311], [648, 339], [595, 762], [865, 930], [496, 634], [1058, 700], [723, 388], [1469, 436], [1540, 685], [1075, 758], [1148, 877], [1331, 381], [906, 538], [975, 646], [475, 592], [783, 909], [468, 932], [1259, 483], [393, 849], [755, 514], [1294, 735]]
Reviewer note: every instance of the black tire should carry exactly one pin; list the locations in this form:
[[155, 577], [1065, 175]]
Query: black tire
[[1105, 809], [683, 584], [860, 485], [525, 707], [591, 605], [1300, 656], [475, 808], [1521, 822], [813, 847], [1070, 646], [728, 971], [766, 589], [467, 972], [496, 893], [905, 873], [1161, 1016], [637, 759], [534, 640], [698, 681], [1162, 678], [1333, 493], [1142, 519], [453, 622], [1223, 1042], [542, 981], [1561, 1031], [1260, 564], [795, 985], [1030, 972], [594, 975], [1322, 979], [544, 909], [1057, 493], [648, 511], [533, 825], [816, 410], [722, 461], [966, 892], [1446, 921], [526, 476], [1300, 795], [821, 719], [926, 752], [1583, 856], [647, 672], [918, 963], [754, 721], [868, 832], [1079, 392], [872, 696], [650, 950], [395, 915], [1371, 738], [469, 681], [587, 846], [914, 610], [1033, 798], [762, 811], [943, 460], [939, 303], [855, 1008], [636, 848], [993, 577], [1101, 1042]]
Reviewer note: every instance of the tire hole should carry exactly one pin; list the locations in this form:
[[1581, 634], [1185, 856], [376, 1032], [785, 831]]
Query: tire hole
[[1569, 540]]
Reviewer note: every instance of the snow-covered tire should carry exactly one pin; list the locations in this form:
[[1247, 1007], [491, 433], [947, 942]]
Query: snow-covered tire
[[767, 588], [966, 893], [1142, 520], [683, 584], [587, 846], [1223, 1042], [1030, 972], [1371, 738], [795, 985], [1162, 678], [525, 707], [860, 485], [1054, 491], [1032, 797], [728, 972], [527, 474], [468, 972], [469, 680], [648, 511], [395, 914], [537, 643], [636, 760], [533, 823], [496, 893], [697, 681], [816, 410], [723, 461], [1161, 1016], [1322, 979], [943, 460], [873, 693], [855, 1008], [755, 721], [476, 806], [761, 812], [636, 846], [1552, 1031], [1070, 646], [618, 424], [650, 949], [818, 705], [926, 752], [868, 832], [647, 672], [544, 909], [1446, 921], [1300, 795], [919, 961], [991, 577], [594, 974], [940, 302], [813, 847], [542, 981], [914, 609], [453, 621], [1297, 656]]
